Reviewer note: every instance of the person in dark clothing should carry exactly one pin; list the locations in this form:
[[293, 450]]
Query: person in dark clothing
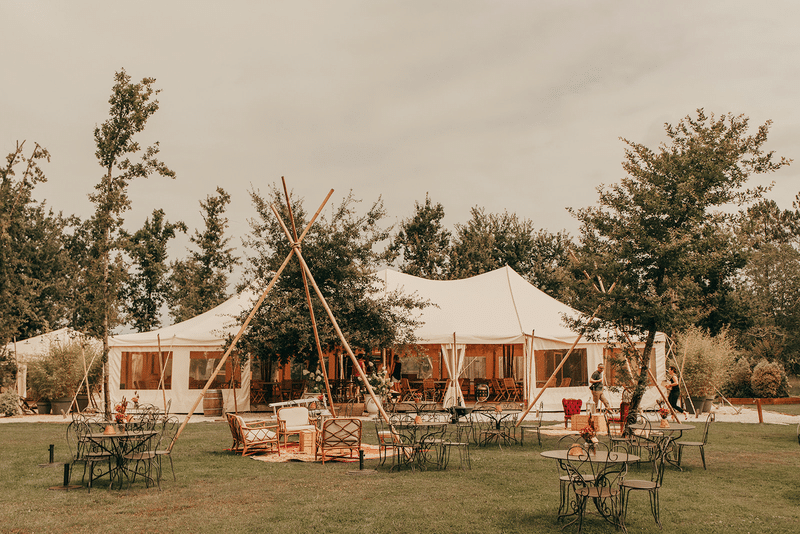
[[673, 386]]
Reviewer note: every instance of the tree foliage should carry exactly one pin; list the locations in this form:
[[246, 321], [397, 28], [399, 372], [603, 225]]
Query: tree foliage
[[423, 243], [661, 235], [489, 241], [340, 249], [200, 282], [34, 265], [146, 288]]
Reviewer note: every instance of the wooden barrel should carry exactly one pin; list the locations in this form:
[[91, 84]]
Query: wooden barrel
[[212, 403]]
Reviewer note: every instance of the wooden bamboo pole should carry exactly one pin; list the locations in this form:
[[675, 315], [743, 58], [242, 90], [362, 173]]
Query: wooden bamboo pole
[[560, 365], [247, 321], [308, 299], [339, 333], [163, 366], [85, 376]]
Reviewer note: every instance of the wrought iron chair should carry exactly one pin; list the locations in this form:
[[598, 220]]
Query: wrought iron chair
[[533, 428], [83, 451], [564, 479], [165, 443], [652, 485], [699, 444], [596, 477]]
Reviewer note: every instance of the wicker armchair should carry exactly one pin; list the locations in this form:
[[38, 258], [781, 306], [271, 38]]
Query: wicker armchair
[[338, 434]]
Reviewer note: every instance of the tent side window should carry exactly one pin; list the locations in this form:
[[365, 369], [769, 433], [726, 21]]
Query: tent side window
[[573, 373], [142, 370], [202, 365]]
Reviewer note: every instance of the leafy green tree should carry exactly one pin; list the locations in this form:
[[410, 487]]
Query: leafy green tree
[[147, 287], [661, 235], [132, 105], [200, 282], [340, 249], [423, 242], [770, 283], [33, 262], [489, 241]]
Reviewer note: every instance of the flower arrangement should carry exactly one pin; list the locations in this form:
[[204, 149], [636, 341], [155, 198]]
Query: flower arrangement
[[380, 382], [663, 412], [315, 380], [589, 434], [119, 411]]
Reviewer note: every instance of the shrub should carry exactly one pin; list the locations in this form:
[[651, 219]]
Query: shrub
[[737, 383], [9, 404], [707, 359], [769, 380], [59, 372]]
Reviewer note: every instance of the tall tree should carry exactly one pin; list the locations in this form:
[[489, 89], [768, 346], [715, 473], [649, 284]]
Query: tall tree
[[340, 250], [770, 283], [146, 289], [200, 282], [489, 241], [33, 261], [661, 235], [132, 105], [423, 242]]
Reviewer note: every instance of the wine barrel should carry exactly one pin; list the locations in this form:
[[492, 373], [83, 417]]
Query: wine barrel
[[212, 403]]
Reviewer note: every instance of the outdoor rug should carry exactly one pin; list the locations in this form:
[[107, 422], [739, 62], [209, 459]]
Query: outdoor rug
[[292, 453]]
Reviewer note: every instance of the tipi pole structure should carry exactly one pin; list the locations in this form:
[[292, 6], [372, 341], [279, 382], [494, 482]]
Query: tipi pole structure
[[308, 299], [335, 324], [247, 322], [85, 376], [557, 369]]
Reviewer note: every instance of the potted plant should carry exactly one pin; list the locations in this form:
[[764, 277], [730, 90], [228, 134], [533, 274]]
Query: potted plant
[[56, 375], [704, 360]]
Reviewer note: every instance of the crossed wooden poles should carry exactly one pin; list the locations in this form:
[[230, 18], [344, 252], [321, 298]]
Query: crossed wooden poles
[[307, 277]]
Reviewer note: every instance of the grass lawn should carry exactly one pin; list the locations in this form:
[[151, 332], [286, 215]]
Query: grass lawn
[[751, 486]]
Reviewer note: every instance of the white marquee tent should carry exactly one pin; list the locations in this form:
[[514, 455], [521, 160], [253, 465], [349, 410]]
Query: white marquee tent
[[500, 307], [196, 346]]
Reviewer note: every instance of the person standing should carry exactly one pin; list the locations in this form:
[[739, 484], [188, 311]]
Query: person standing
[[396, 374], [673, 386], [597, 388]]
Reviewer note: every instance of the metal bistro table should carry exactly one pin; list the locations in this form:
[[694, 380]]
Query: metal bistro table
[[675, 431], [601, 456], [118, 445], [498, 433], [423, 440]]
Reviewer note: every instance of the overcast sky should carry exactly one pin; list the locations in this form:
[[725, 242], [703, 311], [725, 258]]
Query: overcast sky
[[508, 105]]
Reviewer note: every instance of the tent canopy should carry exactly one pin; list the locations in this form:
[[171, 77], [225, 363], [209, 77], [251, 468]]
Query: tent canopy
[[491, 308], [209, 328]]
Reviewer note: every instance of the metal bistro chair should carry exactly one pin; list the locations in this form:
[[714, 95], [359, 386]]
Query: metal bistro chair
[[651, 486], [165, 443], [534, 428], [596, 477], [565, 479], [699, 444], [83, 450]]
